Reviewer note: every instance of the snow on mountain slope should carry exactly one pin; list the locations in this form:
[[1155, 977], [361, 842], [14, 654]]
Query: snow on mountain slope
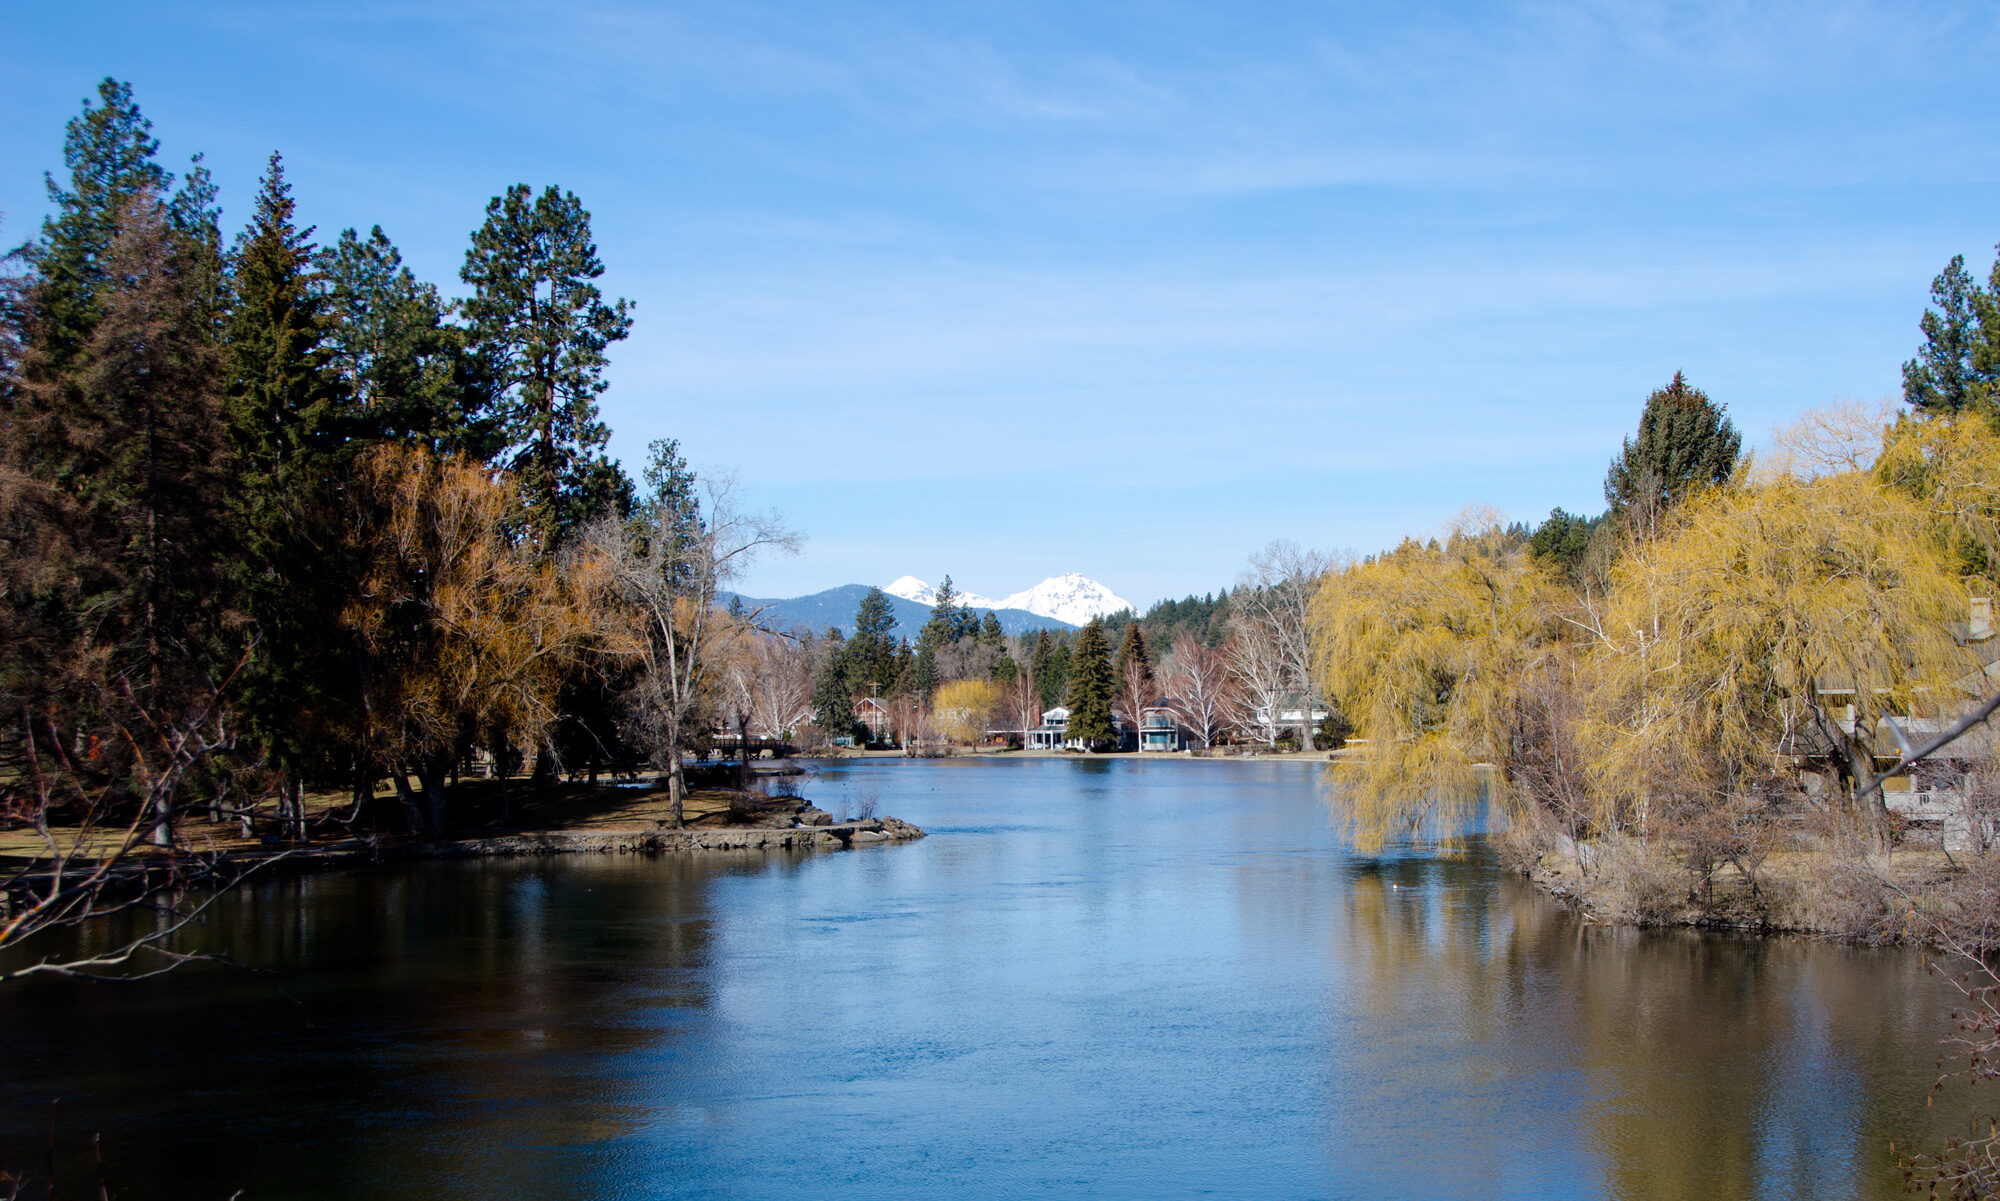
[[912, 588], [1069, 597]]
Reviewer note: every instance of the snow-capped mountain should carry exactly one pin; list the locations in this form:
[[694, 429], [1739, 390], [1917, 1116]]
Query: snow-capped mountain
[[1071, 598], [912, 588], [1068, 597]]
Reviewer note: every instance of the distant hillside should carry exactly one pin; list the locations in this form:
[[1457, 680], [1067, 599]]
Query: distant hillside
[[835, 607]]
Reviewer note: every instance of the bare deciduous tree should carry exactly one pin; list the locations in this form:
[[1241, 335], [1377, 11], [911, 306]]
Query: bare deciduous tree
[[1258, 673], [95, 859], [1273, 609], [775, 677], [1135, 694], [1197, 684], [665, 567], [1024, 703]]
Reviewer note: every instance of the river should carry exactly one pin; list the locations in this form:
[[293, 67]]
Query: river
[[1096, 978]]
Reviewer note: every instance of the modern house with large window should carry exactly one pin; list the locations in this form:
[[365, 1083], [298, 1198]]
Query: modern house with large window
[[1160, 730]]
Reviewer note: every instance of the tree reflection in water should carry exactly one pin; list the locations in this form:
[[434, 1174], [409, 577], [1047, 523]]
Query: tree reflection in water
[[1700, 1065]]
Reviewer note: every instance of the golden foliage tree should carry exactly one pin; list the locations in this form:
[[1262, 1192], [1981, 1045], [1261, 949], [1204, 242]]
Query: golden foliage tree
[[1423, 646], [464, 627], [1950, 466], [964, 709], [1770, 621]]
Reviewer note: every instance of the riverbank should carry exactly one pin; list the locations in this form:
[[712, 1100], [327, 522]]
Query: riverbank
[[629, 817], [1909, 897], [1214, 755]]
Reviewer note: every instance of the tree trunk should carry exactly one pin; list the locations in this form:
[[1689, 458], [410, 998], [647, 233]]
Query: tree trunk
[[412, 813], [676, 786], [544, 776], [499, 752], [676, 776], [431, 773], [298, 809], [163, 819]]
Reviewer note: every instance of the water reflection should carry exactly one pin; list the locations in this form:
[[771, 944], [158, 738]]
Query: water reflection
[[402, 1033], [1106, 978], [1691, 1065]]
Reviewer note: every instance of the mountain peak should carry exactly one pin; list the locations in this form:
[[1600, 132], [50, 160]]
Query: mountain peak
[[1070, 597], [912, 588]]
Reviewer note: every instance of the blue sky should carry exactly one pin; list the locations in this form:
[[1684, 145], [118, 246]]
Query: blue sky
[[1013, 289]]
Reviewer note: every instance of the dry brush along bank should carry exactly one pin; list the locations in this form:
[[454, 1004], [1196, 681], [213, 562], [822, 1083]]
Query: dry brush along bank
[[1909, 897]]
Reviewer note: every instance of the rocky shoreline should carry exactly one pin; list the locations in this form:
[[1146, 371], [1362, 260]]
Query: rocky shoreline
[[804, 836], [789, 824], [785, 824]]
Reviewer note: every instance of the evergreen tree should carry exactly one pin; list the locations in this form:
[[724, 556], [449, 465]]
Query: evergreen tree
[[109, 150], [196, 218], [286, 409], [671, 502], [1563, 541], [1049, 664], [1685, 442], [905, 671], [833, 696], [541, 324], [1131, 649], [993, 640], [871, 650], [1959, 364], [1091, 688], [408, 370], [113, 563], [285, 399]]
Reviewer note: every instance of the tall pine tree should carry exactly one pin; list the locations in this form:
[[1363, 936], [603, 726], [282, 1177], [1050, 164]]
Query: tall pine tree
[[1091, 688], [409, 370], [1132, 649], [1049, 664], [109, 150], [114, 563], [537, 317], [287, 412], [1959, 364]]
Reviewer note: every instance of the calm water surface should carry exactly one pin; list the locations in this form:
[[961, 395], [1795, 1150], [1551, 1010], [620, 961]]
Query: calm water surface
[[1095, 979]]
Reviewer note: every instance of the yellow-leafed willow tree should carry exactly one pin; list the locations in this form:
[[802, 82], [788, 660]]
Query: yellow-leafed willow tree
[[1424, 646], [1757, 628], [1775, 623]]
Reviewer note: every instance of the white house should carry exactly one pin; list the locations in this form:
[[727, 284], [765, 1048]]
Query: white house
[[1051, 734]]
